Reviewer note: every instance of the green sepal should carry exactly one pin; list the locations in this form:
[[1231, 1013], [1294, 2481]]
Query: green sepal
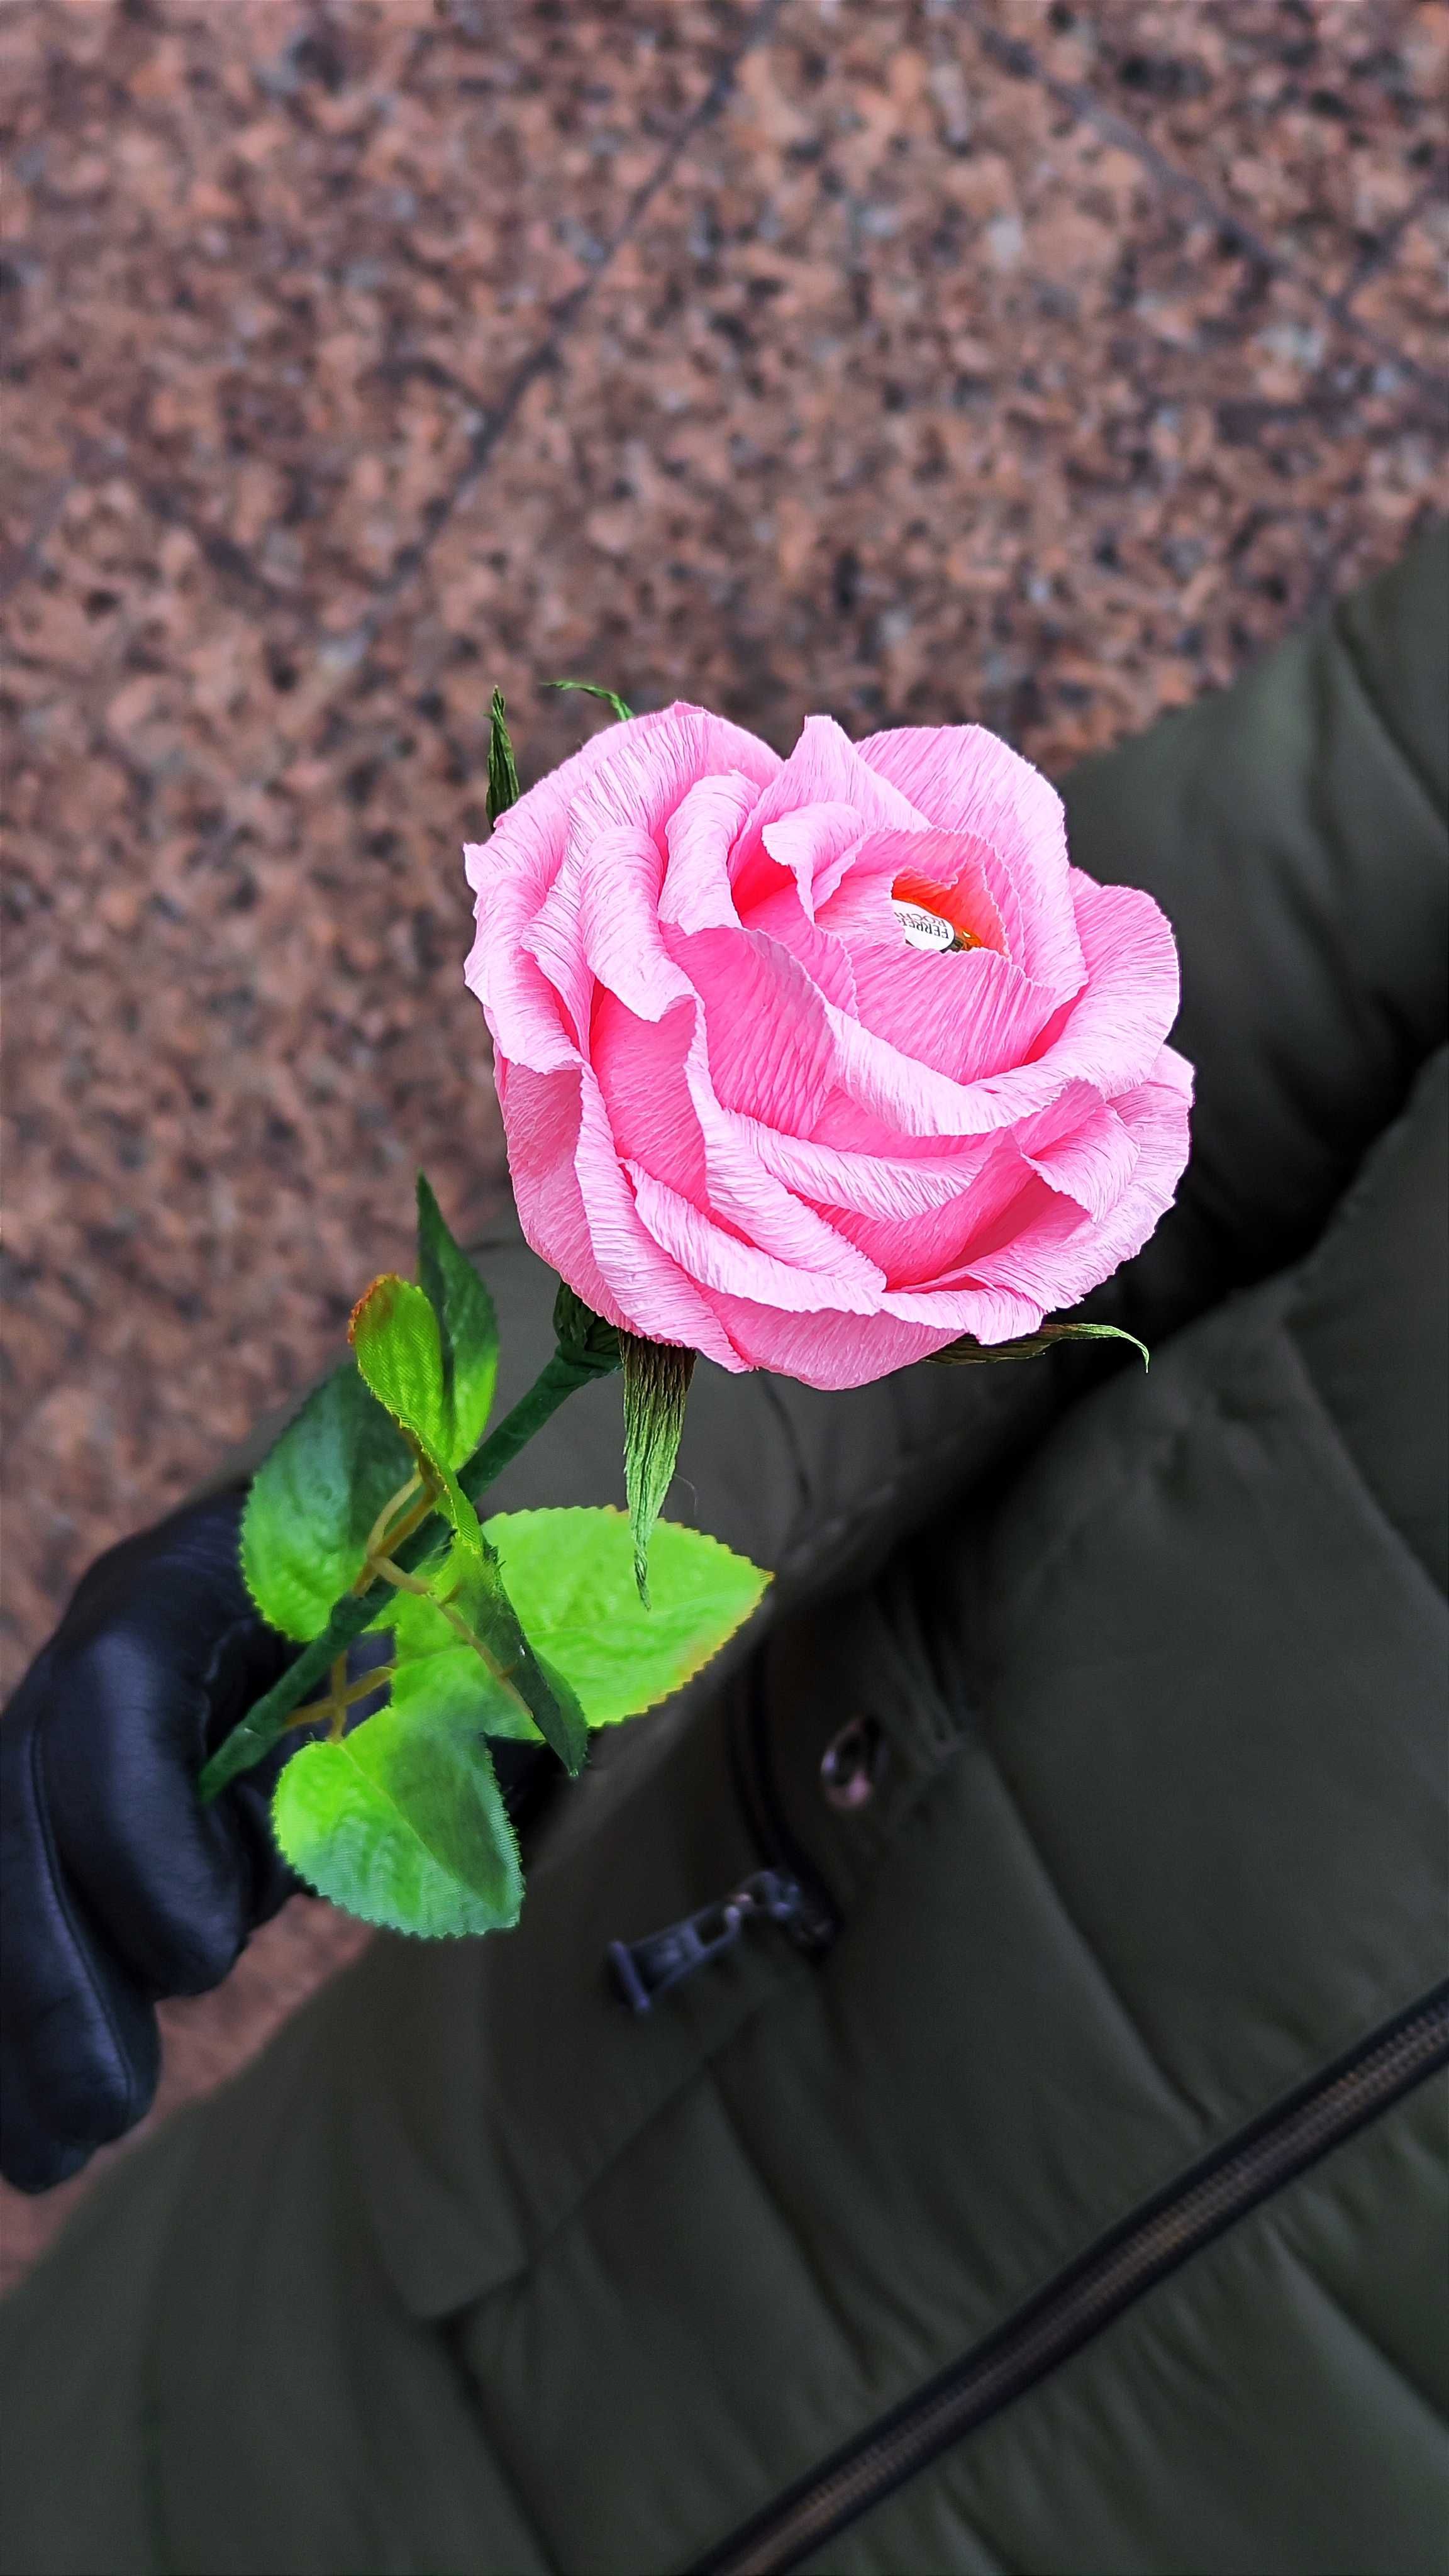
[[467, 1328], [503, 788], [570, 1576], [656, 1389], [591, 689], [584, 1339], [402, 1821], [967, 1352], [314, 1501]]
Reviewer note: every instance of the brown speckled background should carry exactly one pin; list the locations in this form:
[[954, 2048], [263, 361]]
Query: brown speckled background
[[921, 360]]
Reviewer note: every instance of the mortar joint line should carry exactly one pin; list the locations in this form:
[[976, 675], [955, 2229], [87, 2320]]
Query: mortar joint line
[[1012, 55]]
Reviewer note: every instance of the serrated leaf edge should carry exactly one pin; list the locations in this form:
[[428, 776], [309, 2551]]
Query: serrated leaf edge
[[705, 1538], [385, 1922]]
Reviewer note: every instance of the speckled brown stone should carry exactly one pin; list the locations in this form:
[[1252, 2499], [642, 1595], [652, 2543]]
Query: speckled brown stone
[[969, 358]]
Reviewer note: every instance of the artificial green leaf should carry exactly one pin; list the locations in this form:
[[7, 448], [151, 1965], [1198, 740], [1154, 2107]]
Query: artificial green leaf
[[502, 768], [452, 1679], [454, 1504], [399, 1348], [591, 689], [394, 1333], [570, 1577], [428, 1652], [467, 1328], [467, 1608], [314, 1502], [452, 1683], [967, 1353], [475, 1605], [418, 1626], [656, 1389], [402, 1822]]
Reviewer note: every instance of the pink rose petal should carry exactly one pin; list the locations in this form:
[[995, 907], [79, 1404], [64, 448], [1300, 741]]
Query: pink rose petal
[[815, 846], [823, 769], [704, 1251], [966, 780], [1081, 1147], [697, 894]]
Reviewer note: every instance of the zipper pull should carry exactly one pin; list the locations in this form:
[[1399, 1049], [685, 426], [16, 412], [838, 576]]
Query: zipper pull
[[644, 1970]]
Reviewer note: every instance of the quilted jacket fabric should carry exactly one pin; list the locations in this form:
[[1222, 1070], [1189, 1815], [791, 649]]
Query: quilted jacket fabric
[[474, 2272]]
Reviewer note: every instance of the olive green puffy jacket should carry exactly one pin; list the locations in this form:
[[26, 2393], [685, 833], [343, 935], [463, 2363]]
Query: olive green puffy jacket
[[1060, 2185]]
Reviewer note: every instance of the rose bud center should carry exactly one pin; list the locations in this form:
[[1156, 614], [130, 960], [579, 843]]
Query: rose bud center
[[931, 916]]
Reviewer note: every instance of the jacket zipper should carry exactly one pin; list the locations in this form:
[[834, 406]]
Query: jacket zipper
[[787, 1892], [645, 1970], [1161, 2236]]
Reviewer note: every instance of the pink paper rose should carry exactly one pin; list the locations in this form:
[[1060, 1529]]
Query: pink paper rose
[[815, 1065]]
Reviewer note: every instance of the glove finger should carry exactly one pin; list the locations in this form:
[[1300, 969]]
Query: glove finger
[[79, 2047], [172, 1884]]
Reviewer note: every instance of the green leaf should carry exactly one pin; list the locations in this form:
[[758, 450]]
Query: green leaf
[[472, 1591], [591, 689], [475, 1612], [502, 769], [452, 1677], [454, 1686], [467, 1328], [418, 1626], [423, 1636], [570, 1576], [656, 1388], [402, 1822], [399, 1349], [314, 1501], [967, 1353]]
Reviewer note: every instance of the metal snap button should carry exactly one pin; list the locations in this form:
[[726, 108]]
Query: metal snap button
[[852, 1763]]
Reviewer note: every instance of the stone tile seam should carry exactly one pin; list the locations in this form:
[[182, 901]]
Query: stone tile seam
[[344, 652], [338, 658], [1081, 101]]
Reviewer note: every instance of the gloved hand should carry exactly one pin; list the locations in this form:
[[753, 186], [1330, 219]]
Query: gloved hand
[[116, 1886]]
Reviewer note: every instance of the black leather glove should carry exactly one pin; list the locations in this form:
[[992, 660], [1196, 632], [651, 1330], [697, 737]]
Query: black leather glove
[[116, 1886]]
